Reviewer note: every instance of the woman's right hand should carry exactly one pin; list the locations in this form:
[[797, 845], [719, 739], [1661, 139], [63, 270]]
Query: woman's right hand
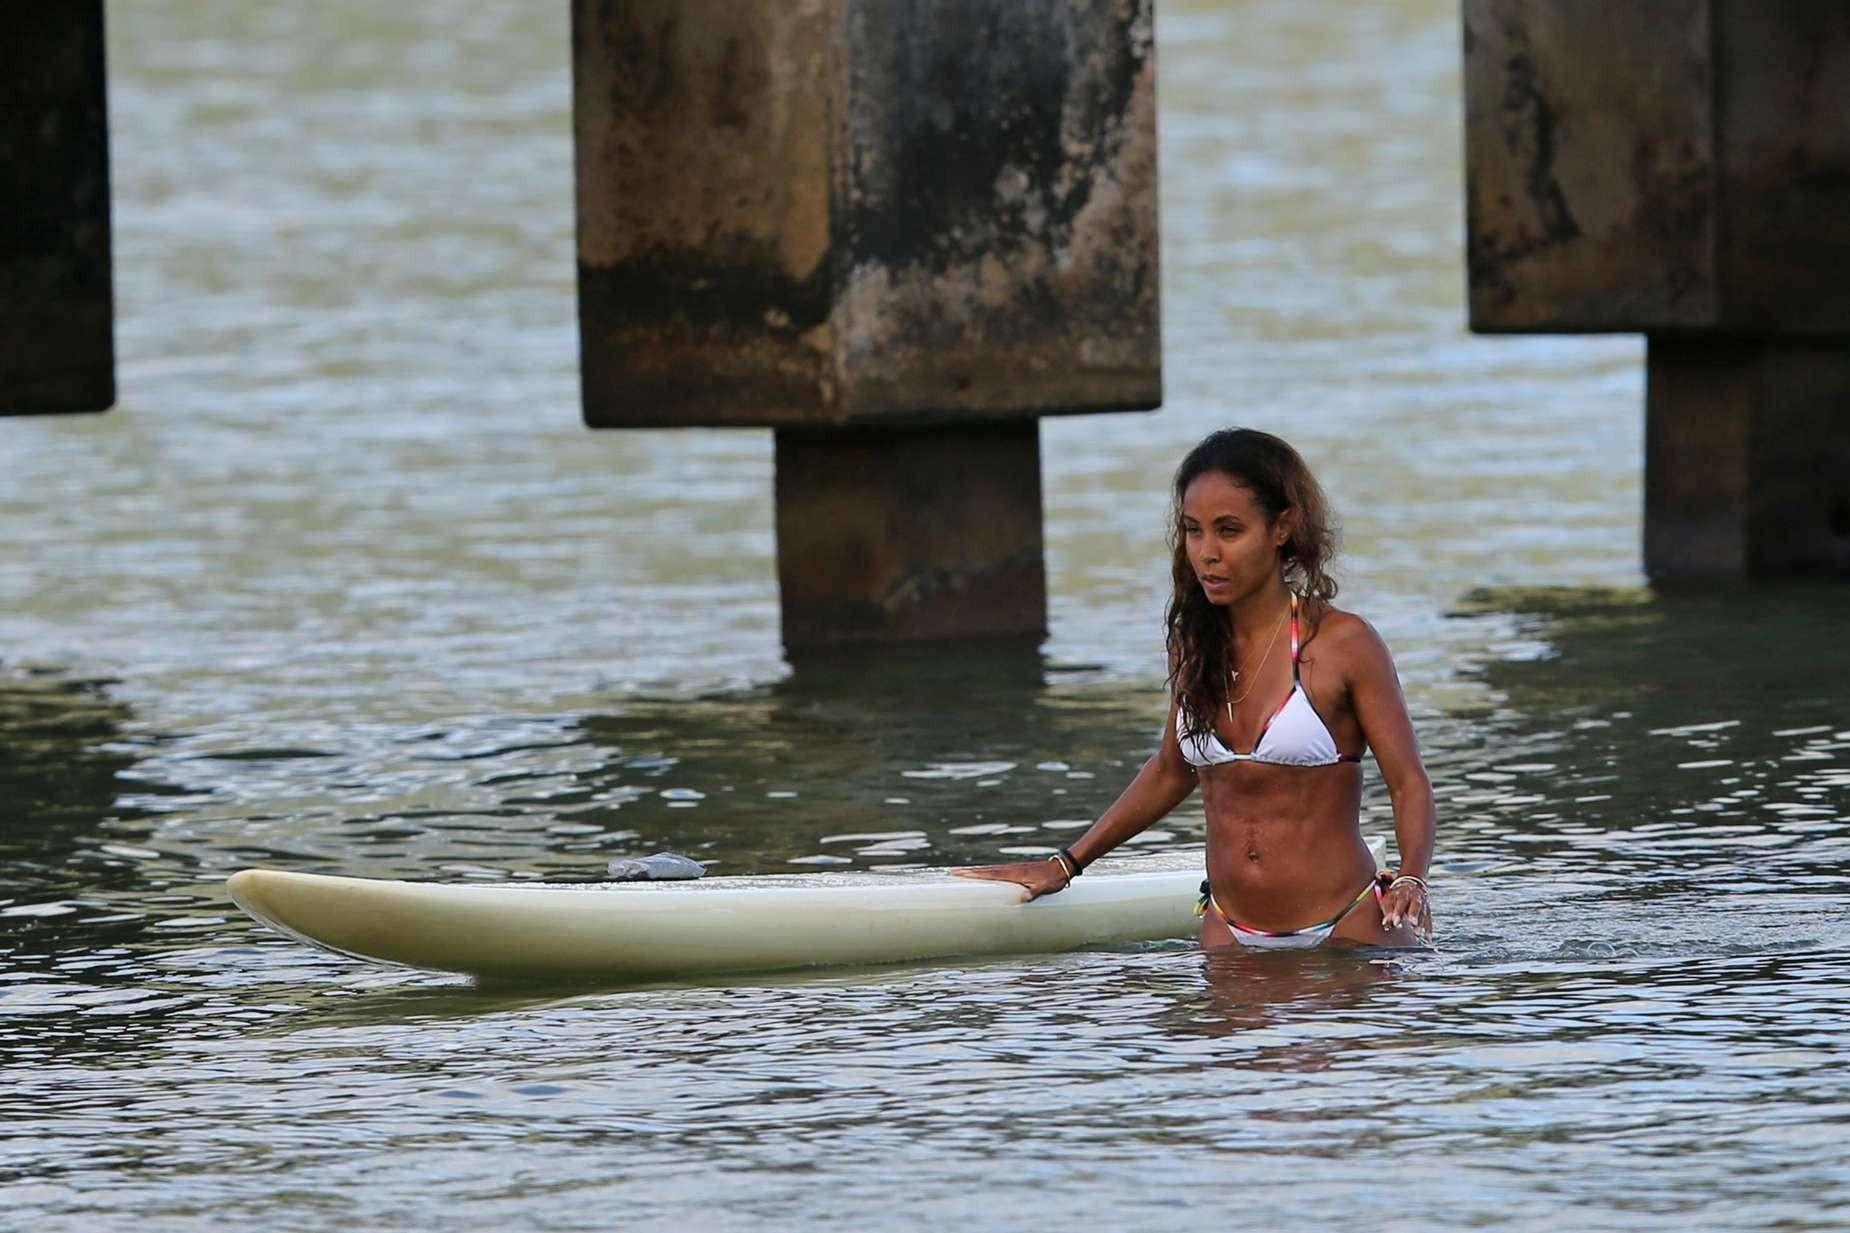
[[1042, 877]]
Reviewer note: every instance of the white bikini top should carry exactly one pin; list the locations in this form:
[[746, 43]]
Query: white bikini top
[[1295, 735]]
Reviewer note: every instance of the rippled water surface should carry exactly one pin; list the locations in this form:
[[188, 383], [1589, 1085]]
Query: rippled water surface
[[343, 585]]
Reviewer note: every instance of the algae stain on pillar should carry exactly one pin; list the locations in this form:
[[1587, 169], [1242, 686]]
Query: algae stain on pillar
[[897, 234]]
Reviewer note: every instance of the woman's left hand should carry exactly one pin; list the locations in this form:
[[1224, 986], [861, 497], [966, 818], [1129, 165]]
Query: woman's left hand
[[1407, 904]]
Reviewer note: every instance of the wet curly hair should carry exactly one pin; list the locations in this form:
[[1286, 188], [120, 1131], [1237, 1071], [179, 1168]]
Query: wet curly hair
[[1199, 637]]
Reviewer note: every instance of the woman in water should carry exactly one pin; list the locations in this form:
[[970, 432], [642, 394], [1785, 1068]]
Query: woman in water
[[1274, 695]]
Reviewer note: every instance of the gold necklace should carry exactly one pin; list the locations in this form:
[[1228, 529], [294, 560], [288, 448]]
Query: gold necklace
[[1233, 677]]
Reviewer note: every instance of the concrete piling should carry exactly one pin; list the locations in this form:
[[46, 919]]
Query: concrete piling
[[1682, 168], [1747, 450], [897, 234], [910, 533], [57, 342]]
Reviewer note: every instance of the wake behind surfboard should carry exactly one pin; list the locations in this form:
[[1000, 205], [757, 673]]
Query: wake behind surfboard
[[621, 933]]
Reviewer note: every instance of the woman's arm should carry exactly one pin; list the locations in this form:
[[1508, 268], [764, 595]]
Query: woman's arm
[[1165, 780], [1381, 710]]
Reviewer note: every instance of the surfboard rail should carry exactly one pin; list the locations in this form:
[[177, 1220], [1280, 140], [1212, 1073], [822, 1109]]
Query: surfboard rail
[[630, 932]]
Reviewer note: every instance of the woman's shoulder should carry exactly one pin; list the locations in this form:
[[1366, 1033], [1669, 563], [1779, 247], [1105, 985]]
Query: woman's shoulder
[[1344, 633]]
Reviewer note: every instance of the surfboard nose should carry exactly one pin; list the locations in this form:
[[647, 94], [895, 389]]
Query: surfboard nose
[[245, 887]]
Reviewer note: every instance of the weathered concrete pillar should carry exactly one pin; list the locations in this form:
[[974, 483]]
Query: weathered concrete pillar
[[1682, 168], [896, 233], [57, 346]]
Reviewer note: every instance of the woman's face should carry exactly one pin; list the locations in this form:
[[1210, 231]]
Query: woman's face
[[1231, 544]]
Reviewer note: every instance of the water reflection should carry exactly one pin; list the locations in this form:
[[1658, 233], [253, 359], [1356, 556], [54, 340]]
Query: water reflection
[[60, 752], [1670, 762], [1641, 709], [1244, 991], [84, 907], [64, 845], [1673, 658], [931, 755], [928, 756]]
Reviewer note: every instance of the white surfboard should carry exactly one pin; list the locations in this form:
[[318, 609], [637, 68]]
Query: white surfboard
[[620, 932]]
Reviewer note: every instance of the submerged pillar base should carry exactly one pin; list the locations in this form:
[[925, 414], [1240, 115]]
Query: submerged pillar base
[[889, 534], [1747, 457]]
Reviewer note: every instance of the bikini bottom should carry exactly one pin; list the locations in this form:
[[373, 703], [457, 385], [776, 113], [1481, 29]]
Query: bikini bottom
[[1287, 939]]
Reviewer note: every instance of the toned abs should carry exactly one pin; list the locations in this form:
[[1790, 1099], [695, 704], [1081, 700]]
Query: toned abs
[[1283, 841]]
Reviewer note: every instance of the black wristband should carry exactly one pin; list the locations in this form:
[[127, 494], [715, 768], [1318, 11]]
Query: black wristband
[[1073, 861]]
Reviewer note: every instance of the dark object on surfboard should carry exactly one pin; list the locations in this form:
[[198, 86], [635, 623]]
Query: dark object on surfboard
[[662, 867]]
